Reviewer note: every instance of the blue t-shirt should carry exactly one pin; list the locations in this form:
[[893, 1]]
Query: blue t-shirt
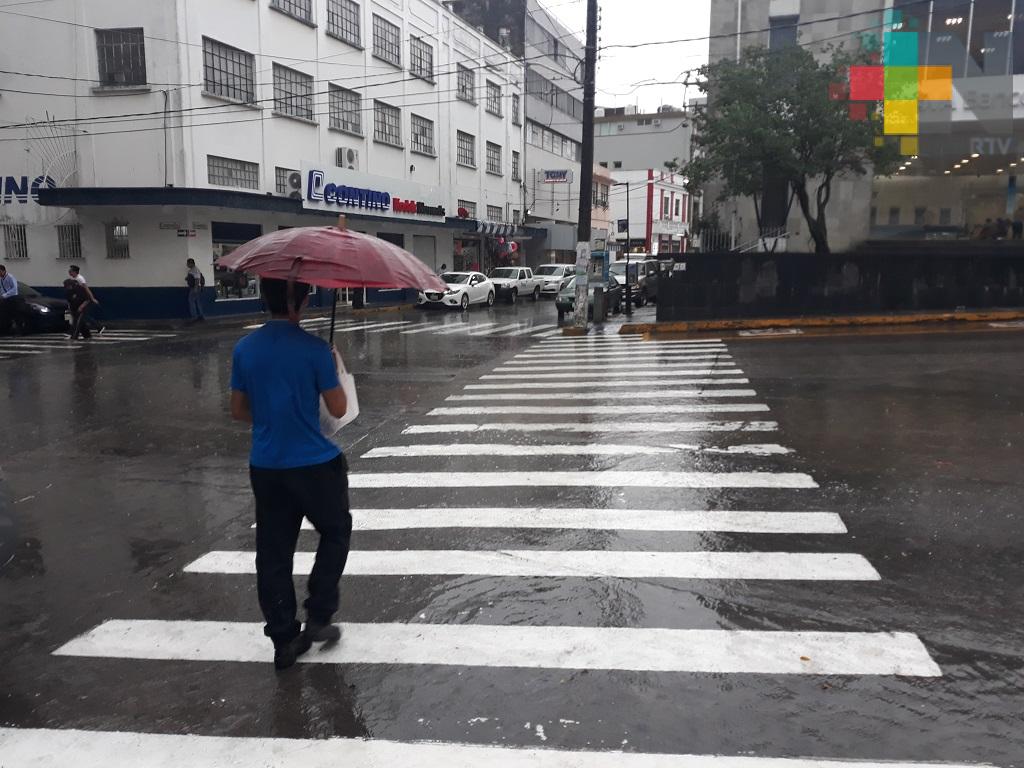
[[282, 370]]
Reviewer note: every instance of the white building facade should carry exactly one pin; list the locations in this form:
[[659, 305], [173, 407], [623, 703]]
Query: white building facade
[[165, 131], [637, 141]]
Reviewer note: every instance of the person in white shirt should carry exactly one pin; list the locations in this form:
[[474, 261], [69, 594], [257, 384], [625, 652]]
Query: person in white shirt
[[84, 320], [10, 299]]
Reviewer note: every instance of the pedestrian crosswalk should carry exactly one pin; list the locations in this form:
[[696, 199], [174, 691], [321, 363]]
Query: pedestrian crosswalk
[[431, 325], [663, 464], [13, 347]]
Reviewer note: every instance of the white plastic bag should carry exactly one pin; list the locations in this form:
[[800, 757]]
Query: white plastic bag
[[331, 425]]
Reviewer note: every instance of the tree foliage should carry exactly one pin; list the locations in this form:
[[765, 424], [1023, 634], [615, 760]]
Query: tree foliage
[[775, 114]]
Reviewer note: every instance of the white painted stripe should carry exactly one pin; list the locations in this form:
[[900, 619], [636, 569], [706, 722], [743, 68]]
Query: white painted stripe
[[389, 326], [465, 328], [571, 410], [724, 521], [26, 346], [588, 385], [119, 335], [426, 327], [95, 340], [545, 334], [20, 351], [50, 748], [628, 354], [634, 340], [705, 362], [493, 331], [379, 326], [634, 375], [595, 395], [471, 645], [534, 329], [752, 566], [639, 427], [599, 479], [513, 449]]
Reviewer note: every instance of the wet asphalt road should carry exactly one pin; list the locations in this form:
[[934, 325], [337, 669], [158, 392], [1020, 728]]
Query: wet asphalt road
[[121, 467]]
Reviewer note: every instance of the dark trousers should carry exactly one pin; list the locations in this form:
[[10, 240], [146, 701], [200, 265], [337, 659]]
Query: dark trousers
[[9, 309], [284, 497]]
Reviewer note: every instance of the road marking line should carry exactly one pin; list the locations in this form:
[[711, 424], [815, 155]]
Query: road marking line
[[104, 339], [512, 449], [372, 326], [598, 479], [533, 329], [717, 521], [625, 340], [464, 328], [547, 333], [711, 362], [593, 564], [592, 395], [635, 375], [588, 385], [21, 350], [639, 427], [388, 327], [427, 327], [494, 331], [571, 410], [628, 354], [470, 645]]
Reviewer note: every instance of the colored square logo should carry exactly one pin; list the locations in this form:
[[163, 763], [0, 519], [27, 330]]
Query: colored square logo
[[867, 83], [900, 49], [858, 111], [900, 118], [935, 83], [909, 146], [901, 83]]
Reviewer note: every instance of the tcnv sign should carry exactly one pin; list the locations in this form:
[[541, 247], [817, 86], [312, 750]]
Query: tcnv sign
[[558, 177], [19, 189], [322, 193]]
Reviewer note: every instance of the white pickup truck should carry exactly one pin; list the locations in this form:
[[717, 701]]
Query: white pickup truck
[[512, 283]]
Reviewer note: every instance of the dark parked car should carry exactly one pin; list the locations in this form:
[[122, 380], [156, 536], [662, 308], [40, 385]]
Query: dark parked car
[[38, 313], [566, 299]]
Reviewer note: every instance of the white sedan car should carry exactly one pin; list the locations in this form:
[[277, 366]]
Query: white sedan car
[[464, 288]]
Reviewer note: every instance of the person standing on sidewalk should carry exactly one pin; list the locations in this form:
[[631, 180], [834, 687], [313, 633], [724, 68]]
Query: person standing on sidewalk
[[279, 373], [196, 283]]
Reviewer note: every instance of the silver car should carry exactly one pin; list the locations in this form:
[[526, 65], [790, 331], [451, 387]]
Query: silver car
[[554, 277]]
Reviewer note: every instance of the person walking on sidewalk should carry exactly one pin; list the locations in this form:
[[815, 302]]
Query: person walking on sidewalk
[[279, 374], [81, 321], [196, 283], [78, 300]]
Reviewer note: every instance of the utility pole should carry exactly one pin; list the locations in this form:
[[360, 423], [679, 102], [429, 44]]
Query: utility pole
[[583, 237]]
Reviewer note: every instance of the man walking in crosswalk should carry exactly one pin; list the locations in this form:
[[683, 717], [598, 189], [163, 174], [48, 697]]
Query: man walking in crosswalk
[[278, 375]]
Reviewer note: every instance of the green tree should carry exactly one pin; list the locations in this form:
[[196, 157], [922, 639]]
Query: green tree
[[776, 115]]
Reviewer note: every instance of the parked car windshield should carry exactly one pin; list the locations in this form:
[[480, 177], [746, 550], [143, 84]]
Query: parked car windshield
[[456, 277], [505, 272], [554, 269]]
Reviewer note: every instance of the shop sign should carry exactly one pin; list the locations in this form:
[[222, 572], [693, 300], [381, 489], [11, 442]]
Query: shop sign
[[186, 233], [377, 196], [558, 177], [17, 189]]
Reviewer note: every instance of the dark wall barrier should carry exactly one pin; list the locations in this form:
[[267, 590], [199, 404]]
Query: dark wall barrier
[[728, 285]]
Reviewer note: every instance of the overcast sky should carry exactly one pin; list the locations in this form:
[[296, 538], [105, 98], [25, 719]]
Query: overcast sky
[[620, 71]]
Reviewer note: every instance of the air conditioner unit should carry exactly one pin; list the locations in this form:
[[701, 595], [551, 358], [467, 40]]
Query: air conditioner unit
[[346, 157]]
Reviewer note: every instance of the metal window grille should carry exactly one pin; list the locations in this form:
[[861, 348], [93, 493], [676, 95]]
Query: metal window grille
[[228, 172], [470, 207], [293, 93], [300, 9], [69, 241], [387, 124], [228, 72], [494, 98], [516, 119], [517, 172], [494, 213], [117, 241], [421, 59], [343, 21], [281, 176], [515, 216], [346, 109], [494, 159], [15, 241], [121, 54], [466, 84], [387, 42], [465, 149], [422, 135]]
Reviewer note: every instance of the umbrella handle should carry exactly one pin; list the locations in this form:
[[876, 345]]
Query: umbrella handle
[[293, 311]]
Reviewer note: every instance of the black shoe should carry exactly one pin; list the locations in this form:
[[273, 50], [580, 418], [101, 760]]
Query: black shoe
[[286, 654], [322, 633]]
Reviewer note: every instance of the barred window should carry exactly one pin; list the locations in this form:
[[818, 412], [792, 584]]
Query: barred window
[[494, 159], [387, 124], [228, 172], [15, 241], [281, 179], [494, 213], [69, 241], [466, 84], [117, 240], [293, 93], [228, 72], [494, 98], [346, 109], [422, 135], [465, 149], [121, 54], [517, 172], [515, 216], [421, 59], [343, 21], [300, 9], [470, 207], [516, 119], [387, 43]]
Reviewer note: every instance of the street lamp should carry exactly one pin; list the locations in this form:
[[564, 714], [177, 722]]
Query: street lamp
[[629, 286]]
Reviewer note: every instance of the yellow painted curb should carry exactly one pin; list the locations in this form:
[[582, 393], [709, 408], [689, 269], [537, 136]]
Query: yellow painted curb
[[572, 330]]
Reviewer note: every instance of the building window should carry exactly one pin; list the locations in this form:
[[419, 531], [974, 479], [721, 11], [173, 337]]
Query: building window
[[517, 171], [343, 21], [282, 176], [546, 139], [69, 241], [920, 214], [387, 124], [516, 115], [599, 195], [422, 135], [421, 59], [465, 149], [117, 241], [494, 165], [666, 208], [945, 217], [894, 217], [494, 98], [227, 172], [293, 93], [469, 206], [228, 72], [346, 110], [466, 84], [677, 205], [15, 241], [783, 32], [544, 90], [516, 216], [494, 213], [300, 9], [616, 164], [121, 54], [387, 43]]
